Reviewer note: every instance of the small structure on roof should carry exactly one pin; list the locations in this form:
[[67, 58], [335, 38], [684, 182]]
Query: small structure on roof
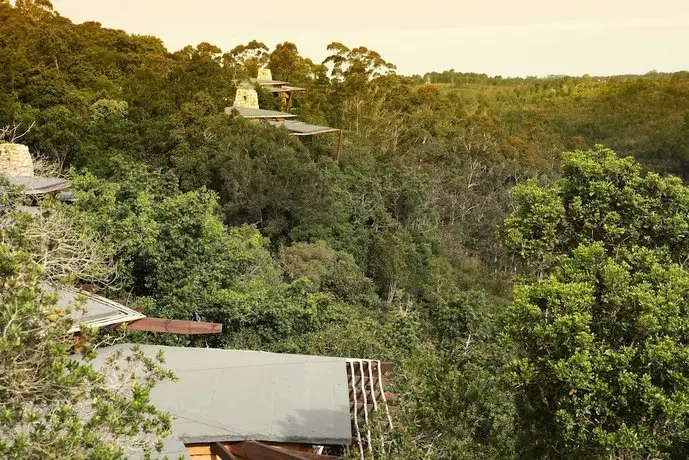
[[246, 96], [255, 405]]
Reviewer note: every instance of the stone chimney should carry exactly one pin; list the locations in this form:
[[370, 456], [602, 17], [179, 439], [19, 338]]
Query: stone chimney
[[15, 159], [246, 96], [264, 74]]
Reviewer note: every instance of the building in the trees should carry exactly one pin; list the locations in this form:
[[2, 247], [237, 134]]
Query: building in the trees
[[17, 168], [97, 311], [282, 89], [247, 106], [235, 404]]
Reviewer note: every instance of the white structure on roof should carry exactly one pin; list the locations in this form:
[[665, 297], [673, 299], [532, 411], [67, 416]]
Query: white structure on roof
[[15, 159], [95, 311]]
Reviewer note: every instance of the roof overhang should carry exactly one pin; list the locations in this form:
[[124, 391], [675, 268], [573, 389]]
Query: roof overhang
[[249, 112], [39, 185], [286, 89], [299, 128], [95, 311], [267, 82]]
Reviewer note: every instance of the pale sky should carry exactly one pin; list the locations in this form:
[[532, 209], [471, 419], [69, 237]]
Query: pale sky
[[505, 37]]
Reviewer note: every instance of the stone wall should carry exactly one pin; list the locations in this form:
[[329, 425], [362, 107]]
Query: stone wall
[[246, 96], [15, 159]]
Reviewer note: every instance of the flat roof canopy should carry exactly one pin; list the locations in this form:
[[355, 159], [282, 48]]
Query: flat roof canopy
[[267, 82], [298, 128], [38, 185], [286, 89], [248, 112], [234, 395]]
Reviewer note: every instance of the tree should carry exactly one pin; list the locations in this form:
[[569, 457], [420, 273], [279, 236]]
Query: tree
[[245, 60], [357, 61], [603, 357], [600, 333], [53, 405], [454, 401], [287, 64], [55, 239], [329, 270], [599, 198]]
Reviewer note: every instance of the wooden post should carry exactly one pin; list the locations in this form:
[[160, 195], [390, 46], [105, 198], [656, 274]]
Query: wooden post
[[222, 452], [339, 146]]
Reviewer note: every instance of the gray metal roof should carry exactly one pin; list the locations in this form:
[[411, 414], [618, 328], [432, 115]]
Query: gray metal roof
[[286, 88], [299, 128], [38, 185], [234, 395], [96, 311], [267, 82], [248, 112]]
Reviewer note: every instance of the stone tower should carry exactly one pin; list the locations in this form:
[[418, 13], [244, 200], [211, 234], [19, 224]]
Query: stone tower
[[264, 74], [246, 96], [15, 159]]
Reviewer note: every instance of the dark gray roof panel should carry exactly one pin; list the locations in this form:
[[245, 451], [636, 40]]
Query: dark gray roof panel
[[38, 185], [268, 82], [234, 395], [299, 128], [248, 112], [286, 88]]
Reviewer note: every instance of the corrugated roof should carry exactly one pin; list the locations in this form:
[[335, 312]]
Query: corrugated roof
[[97, 310], [299, 128], [248, 112], [233, 395], [39, 185]]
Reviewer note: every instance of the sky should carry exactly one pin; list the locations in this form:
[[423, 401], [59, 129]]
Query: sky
[[497, 37]]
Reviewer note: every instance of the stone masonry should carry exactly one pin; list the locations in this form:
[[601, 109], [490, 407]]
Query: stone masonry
[[246, 96], [264, 74], [15, 159]]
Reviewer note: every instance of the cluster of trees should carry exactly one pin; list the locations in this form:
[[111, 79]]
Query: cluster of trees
[[546, 320]]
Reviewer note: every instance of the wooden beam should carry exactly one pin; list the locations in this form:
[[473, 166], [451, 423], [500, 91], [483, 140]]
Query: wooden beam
[[174, 326], [339, 146], [222, 452], [254, 450]]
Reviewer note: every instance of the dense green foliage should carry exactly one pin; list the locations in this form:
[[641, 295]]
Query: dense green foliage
[[404, 248], [601, 340], [51, 405], [603, 356]]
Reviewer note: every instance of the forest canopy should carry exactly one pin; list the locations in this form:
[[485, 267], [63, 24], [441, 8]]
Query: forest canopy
[[529, 283]]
